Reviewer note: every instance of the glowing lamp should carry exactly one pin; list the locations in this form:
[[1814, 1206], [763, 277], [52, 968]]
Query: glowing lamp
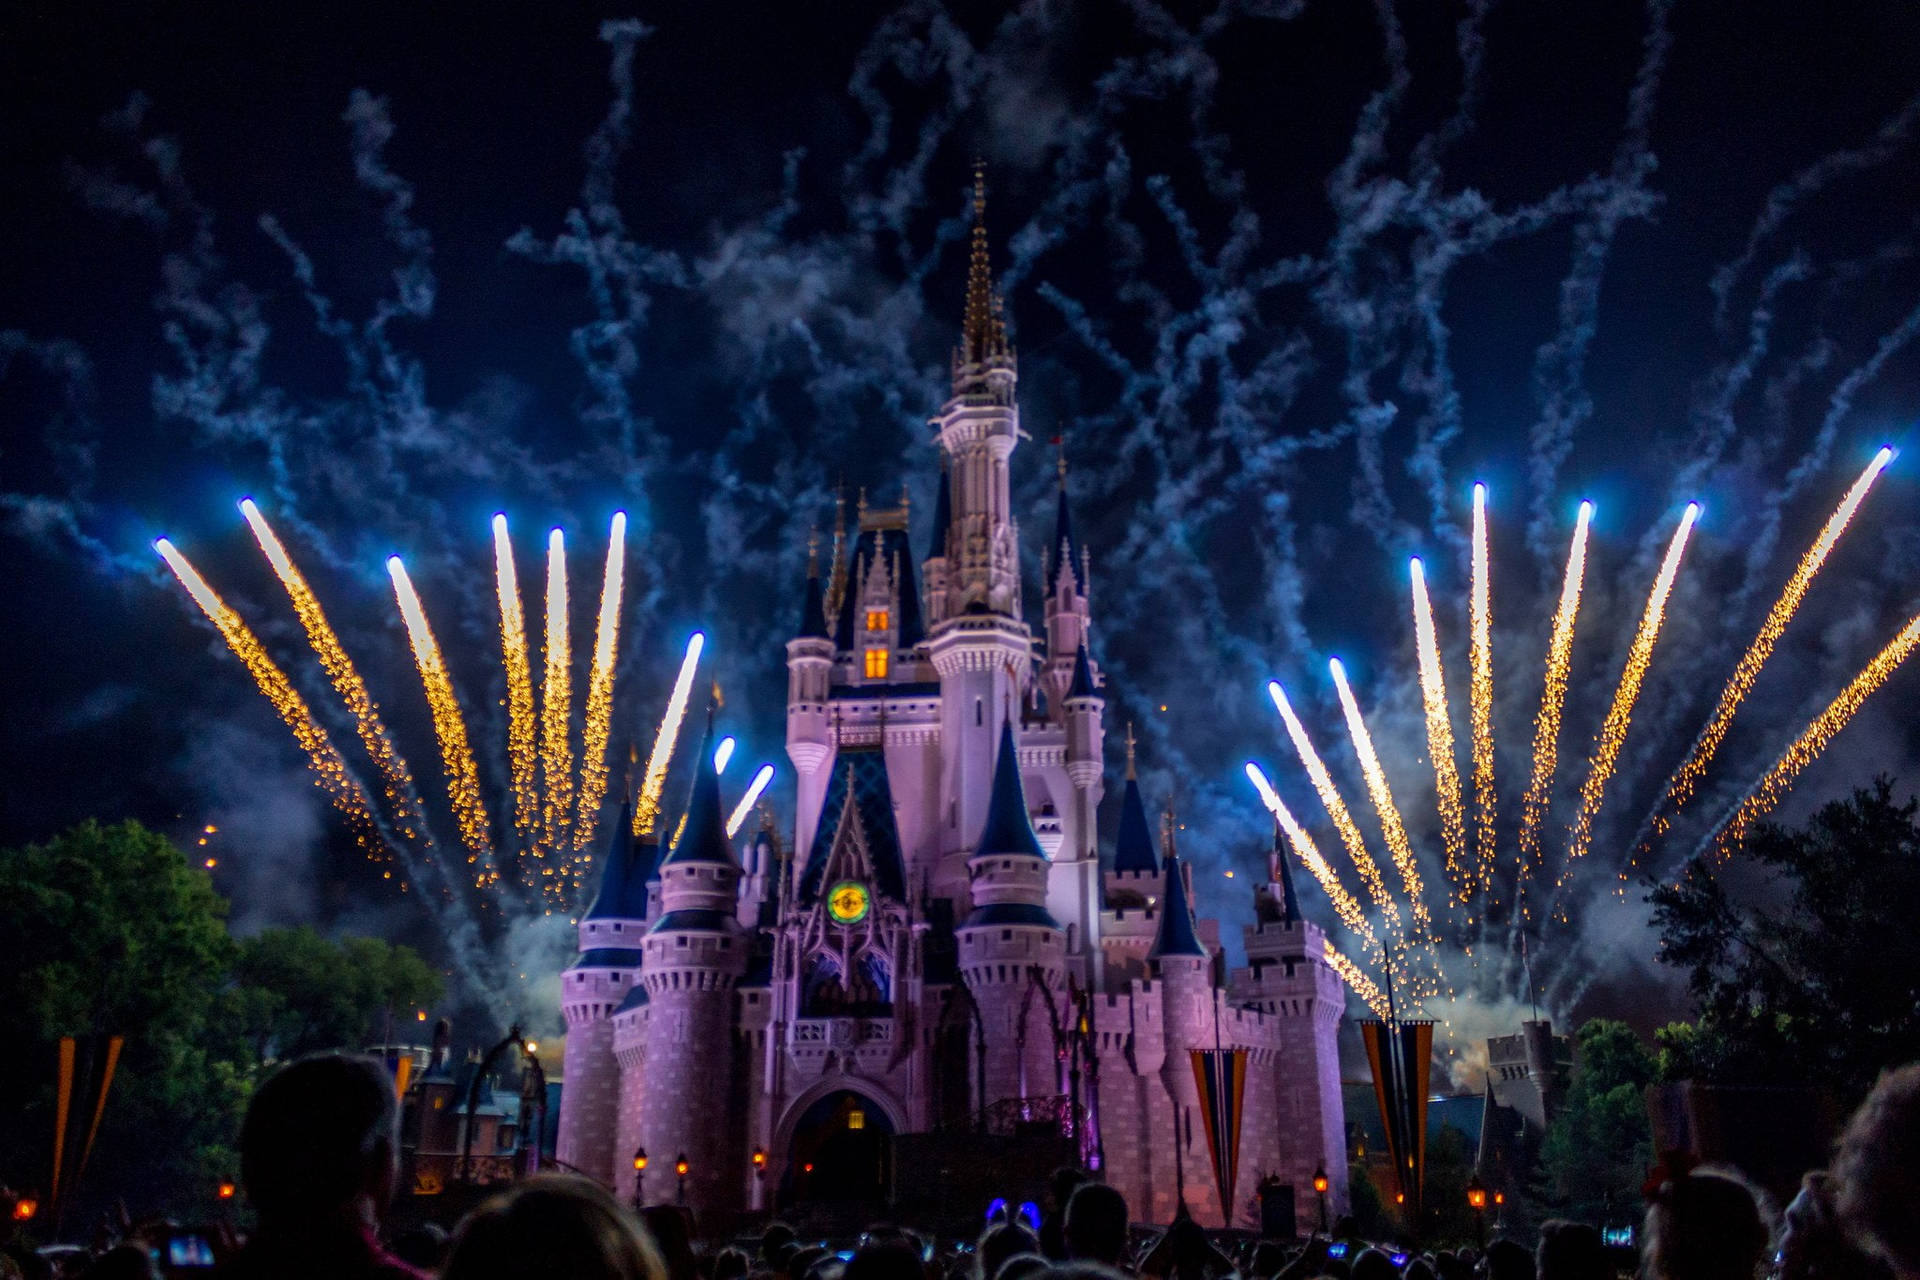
[[1320, 1183], [1399, 1197], [856, 1119], [24, 1208], [807, 1167], [680, 1165], [1499, 1197], [225, 1191], [1476, 1194], [533, 1046], [759, 1161], [640, 1160]]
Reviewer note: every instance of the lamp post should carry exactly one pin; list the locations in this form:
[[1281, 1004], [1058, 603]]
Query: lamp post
[[1477, 1201], [639, 1174], [680, 1167], [1320, 1189]]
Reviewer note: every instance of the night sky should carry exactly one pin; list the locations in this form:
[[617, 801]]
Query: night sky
[[1286, 278]]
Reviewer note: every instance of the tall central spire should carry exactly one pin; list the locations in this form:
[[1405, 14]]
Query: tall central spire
[[983, 336]]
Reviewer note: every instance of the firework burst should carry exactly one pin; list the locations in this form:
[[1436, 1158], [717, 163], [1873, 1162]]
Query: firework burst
[[450, 726], [1553, 700], [1446, 773], [1480, 702], [593, 752], [523, 760]]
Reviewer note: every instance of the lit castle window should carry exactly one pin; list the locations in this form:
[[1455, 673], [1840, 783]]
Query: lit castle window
[[876, 619], [876, 664]]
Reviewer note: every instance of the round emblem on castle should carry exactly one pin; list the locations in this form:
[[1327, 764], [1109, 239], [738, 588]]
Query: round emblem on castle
[[848, 902]]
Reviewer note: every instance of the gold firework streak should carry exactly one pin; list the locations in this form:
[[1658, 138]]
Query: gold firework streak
[[397, 781], [1613, 732], [329, 768], [1553, 701], [1336, 810], [1480, 671], [450, 726], [556, 709], [646, 812], [1361, 985], [522, 749], [1345, 905], [1446, 773], [1807, 747], [593, 750], [1382, 795], [1680, 789]]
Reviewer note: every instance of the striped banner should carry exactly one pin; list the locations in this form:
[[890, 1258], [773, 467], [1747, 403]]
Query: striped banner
[[1401, 1056], [1221, 1077]]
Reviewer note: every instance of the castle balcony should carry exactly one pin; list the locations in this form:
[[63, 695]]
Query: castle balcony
[[839, 1033]]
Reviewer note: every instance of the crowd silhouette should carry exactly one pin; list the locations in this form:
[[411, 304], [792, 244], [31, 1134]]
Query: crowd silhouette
[[319, 1159]]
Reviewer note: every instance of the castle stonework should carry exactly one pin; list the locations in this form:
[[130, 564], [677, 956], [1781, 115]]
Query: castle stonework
[[947, 947]]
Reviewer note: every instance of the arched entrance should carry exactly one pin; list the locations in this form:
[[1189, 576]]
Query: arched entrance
[[839, 1151]]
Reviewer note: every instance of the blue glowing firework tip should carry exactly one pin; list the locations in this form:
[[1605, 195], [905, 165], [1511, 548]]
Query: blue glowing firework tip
[[394, 562]]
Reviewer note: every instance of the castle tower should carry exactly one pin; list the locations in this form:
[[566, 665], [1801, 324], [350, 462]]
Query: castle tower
[[1132, 883], [809, 678], [1184, 968], [695, 952], [981, 647], [1288, 977], [590, 992], [1012, 950], [1074, 887]]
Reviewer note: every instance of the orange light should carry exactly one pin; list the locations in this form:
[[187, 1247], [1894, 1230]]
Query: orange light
[[1399, 1197], [1499, 1197], [24, 1208], [1476, 1195], [759, 1160], [807, 1167], [856, 1119], [1320, 1183], [681, 1166], [640, 1160], [420, 1015], [225, 1191]]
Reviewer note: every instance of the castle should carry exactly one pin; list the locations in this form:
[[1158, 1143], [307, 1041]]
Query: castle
[[947, 947]]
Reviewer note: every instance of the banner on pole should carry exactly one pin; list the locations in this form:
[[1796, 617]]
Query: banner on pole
[[1400, 1055], [1221, 1077]]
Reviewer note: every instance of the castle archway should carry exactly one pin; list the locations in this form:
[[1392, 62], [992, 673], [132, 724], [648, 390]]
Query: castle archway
[[838, 1140]]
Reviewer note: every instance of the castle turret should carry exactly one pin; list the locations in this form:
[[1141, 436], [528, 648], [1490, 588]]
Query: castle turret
[[1074, 895], [695, 952], [1184, 968], [1288, 977], [1010, 943], [591, 990]]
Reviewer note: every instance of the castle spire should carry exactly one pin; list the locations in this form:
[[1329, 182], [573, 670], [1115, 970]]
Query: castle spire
[[983, 335], [1283, 872], [1176, 935]]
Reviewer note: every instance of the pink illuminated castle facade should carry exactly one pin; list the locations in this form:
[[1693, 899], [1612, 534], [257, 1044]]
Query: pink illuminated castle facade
[[945, 946]]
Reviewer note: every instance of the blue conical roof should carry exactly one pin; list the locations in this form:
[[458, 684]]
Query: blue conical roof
[[1063, 546], [1289, 899], [1082, 685], [623, 881], [704, 837], [1008, 829], [942, 517], [1133, 846], [1176, 936], [813, 609]]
